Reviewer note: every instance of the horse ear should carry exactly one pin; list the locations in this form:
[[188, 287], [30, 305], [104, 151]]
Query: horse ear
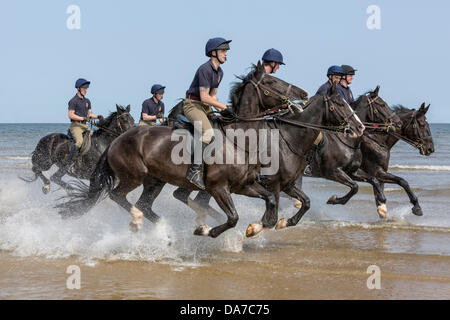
[[377, 89], [128, 108], [119, 110], [422, 106], [258, 65], [426, 109]]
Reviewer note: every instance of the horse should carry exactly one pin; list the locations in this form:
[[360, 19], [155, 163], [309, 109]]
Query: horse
[[376, 149], [298, 133], [55, 149], [142, 156], [339, 158]]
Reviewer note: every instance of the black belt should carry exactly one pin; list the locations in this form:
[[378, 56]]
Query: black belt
[[79, 121], [192, 97]]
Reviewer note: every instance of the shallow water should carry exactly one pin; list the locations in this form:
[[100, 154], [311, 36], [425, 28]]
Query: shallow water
[[326, 256]]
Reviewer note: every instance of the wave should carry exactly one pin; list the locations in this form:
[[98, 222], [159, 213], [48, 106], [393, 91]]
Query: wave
[[16, 157], [419, 167]]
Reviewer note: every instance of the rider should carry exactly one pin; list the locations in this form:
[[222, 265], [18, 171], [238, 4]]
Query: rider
[[201, 95], [272, 59], [343, 88], [153, 108], [79, 113], [334, 74]]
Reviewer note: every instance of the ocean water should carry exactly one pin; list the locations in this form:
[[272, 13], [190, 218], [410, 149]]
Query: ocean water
[[31, 229]]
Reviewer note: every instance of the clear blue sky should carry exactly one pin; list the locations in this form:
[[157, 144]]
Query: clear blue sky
[[124, 47]]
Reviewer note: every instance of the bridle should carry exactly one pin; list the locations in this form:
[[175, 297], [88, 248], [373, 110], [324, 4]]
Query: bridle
[[373, 109], [420, 142]]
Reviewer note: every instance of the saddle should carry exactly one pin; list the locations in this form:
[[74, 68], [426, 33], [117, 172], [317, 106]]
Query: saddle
[[86, 145]]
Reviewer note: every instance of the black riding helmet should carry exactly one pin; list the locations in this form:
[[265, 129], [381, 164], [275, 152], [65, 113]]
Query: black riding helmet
[[348, 70]]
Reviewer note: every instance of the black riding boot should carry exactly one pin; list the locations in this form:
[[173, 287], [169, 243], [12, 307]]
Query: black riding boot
[[309, 160], [72, 155], [195, 172]]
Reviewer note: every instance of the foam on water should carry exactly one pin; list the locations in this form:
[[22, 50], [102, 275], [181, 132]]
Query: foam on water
[[30, 226], [419, 167]]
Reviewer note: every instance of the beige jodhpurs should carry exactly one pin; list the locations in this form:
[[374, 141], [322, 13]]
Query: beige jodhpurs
[[196, 111], [147, 123], [76, 130]]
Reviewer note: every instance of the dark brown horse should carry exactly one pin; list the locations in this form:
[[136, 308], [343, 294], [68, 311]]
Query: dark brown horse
[[376, 148], [298, 133], [339, 158], [143, 156], [54, 149]]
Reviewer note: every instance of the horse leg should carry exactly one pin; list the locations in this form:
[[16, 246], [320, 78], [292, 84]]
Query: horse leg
[[380, 198], [295, 193], [119, 195], [57, 178], [152, 188], [386, 177], [340, 176], [182, 194], [223, 198], [38, 172], [270, 216]]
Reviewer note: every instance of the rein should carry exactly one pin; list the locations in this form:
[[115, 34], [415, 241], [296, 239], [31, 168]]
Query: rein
[[112, 132], [419, 143]]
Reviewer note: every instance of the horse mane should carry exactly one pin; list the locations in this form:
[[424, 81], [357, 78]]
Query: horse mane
[[400, 109], [237, 88]]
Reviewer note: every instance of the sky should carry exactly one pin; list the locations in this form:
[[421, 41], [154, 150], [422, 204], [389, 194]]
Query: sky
[[124, 47]]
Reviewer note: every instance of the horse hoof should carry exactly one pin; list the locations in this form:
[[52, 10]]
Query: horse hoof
[[46, 189], [417, 211], [332, 200], [297, 203], [134, 227], [202, 230], [254, 229], [281, 224], [382, 211]]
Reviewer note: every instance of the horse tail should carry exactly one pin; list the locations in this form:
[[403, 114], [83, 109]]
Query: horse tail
[[84, 197]]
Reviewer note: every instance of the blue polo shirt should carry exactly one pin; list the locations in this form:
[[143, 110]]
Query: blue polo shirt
[[151, 108], [323, 89], [346, 93], [80, 105], [206, 76]]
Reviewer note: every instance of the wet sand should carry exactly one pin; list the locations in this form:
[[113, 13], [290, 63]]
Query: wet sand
[[305, 262]]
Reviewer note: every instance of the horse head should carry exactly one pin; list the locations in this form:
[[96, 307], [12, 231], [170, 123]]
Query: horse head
[[263, 92], [339, 113], [371, 108], [417, 129]]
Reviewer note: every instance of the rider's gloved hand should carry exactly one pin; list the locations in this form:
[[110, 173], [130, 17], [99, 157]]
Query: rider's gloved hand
[[100, 117]]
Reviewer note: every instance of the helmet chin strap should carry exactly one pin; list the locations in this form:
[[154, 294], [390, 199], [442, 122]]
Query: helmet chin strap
[[79, 90], [217, 57]]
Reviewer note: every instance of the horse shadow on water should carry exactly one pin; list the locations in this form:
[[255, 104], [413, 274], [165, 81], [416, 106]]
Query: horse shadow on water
[[55, 149], [140, 156]]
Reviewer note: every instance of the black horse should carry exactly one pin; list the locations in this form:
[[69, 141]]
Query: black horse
[[298, 132], [144, 155], [55, 148], [376, 148], [339, 158]]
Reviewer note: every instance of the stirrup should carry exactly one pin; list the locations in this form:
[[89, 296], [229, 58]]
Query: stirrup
[[195, 176], [307, 171]]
